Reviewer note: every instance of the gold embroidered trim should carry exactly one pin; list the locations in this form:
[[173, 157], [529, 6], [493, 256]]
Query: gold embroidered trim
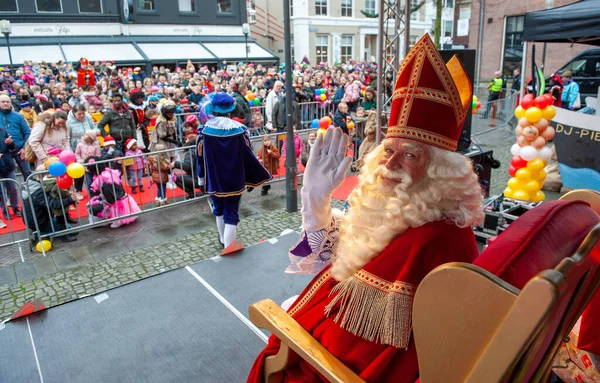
[[374, 309], [423, 136], [424, 93], [299, 304], [411, 87]]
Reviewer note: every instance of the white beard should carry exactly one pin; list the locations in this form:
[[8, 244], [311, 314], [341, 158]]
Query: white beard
[[373, 221]]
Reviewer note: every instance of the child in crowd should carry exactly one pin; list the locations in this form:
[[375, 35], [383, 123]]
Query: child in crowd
[[109, 152], [298, 146], [160, 167], [268, 155], [341, 117], [28, 113], [51, 188], [135, 172], [109, 199], [308, 145], [86, 148], [190, 126]]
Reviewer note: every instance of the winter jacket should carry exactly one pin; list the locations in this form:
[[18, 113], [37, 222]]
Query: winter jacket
[[279, 116], [6, 159], [41, 142], [16, 126], [369, 104], [339, 120], [41, 203], [121, 125], [92, 99], [30, 117], [6, 83], [298, 146], [138, 162], [51, 188], [78, 128], [161, 161], [81, 100], [84, 151], [272, 99], [569, 94], [164, 133], [352, 92], [269, 160], [189, 164], [242, 108]]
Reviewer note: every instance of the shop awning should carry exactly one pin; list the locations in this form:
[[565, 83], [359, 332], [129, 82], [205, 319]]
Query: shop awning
[[237, 51], [103, 52], [36, 53], [175, 51]]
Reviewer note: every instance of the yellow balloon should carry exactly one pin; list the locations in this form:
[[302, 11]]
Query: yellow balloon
[[47, 245], [522, 195], [101, 140], [322, 131], [508, 193], [520, 112], [523, 174], [515, 184], [533, 114], [538, 196], [475, 99], [535, 165], [532, 187], [541, 176], [75, 170], [549, 112]]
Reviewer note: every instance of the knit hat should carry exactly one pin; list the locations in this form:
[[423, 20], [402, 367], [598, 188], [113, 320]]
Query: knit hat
[[154, 88], [108, 140], [153, 98], [130, 142], [42, 97], [191, 119], [25, 104], [185, 101]]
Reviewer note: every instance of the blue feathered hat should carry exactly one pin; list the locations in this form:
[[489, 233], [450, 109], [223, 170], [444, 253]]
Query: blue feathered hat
[[222, 103]]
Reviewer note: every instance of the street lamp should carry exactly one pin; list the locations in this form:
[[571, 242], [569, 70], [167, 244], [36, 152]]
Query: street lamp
[[246, 31], [5, 29]]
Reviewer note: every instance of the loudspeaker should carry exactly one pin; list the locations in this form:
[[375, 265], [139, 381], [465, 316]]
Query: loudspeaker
[[483, 163]]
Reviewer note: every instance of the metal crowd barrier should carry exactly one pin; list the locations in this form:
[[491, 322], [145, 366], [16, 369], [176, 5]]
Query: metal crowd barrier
[[12, 238], [494, 115]]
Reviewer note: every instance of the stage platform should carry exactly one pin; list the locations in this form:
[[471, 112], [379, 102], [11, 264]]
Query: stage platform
[[188, 325]]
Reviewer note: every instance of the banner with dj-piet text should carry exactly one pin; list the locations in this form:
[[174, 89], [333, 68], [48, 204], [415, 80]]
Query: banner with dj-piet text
[[577, 143]]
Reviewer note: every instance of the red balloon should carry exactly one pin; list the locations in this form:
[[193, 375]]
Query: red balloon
[[64, 182], [512, 171], [517, 162], [324, 123], [550, 98], [527, 102], [541, 102]]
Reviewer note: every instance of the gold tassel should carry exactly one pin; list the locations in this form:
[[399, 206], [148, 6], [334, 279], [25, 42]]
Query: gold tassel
[[378, 316]]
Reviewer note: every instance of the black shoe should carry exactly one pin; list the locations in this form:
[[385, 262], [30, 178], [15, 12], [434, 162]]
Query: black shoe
[[264, 192], [134, 190], [69, 238], [17, 213], [141, 189]]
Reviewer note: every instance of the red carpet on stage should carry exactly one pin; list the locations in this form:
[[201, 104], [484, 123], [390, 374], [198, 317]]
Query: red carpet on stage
[[345, 188]]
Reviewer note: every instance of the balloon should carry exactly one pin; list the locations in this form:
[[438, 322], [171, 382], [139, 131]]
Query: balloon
[[541, 176], [329, 121], [47, 245], [545, 154], [522, 142], [324, 123], [533, 114], [518, 162], [350, 125], [512, 171], [541, 102], [67, 157], [520, 112], [251, 96], [474, 105], [515, 184], [521, 194], [527, 101], [317, 98], [528, 153], [473, 111], [550, 98], [532, 186], [322, 131], [535, 165], [549, 112], [57, 168], [508, 193], [323, 97], [515, 150], [478, 104], [474, 98], [256, 102], [75, 170], [523, 174], [524, 122], [314, 124], [548, 134], [539, 196], [541, 125], [64, 182], [539, 142], [51, 160]]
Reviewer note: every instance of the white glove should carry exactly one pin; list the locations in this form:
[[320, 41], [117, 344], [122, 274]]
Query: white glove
[[325, 171]]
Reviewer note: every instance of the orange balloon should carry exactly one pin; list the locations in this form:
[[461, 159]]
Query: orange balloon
[[50, 160], [350, 125]]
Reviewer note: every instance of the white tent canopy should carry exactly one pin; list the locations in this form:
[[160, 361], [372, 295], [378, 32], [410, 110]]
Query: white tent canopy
[[183, 51], [103, 52]]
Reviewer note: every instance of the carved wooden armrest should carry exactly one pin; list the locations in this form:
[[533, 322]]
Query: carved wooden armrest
[[268, 315]]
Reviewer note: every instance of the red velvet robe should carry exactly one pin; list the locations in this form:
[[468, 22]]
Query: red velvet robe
[[389, 282], [81, 77]]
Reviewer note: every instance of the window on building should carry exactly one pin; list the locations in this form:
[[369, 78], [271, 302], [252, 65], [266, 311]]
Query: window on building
[[414, 15], [90, 6], [146, 5], [448, 24], [449, 3], [347, 45], [9, 6], [187, 6], [346, 8], [322, 48], [321, 7], [48, 5], [251, 11], [291, 8], [465, 11], [224, 6], [370, 6], [513, 43]]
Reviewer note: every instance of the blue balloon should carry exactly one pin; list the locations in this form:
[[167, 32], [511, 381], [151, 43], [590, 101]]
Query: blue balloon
[[314, 124], [317, 92], [57, 169]]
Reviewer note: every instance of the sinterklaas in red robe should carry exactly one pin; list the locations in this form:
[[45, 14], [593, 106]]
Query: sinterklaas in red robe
[[365, 321]]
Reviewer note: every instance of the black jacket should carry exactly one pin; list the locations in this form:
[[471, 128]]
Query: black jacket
[[121, 126], [278, 116], [42, 207], [242, 108], [339, 120], [6, 160]]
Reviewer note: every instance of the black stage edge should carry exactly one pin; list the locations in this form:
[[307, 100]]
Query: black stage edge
[[167, 328]]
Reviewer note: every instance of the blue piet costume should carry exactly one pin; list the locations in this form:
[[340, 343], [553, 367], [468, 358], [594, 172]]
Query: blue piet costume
[[229, 162]]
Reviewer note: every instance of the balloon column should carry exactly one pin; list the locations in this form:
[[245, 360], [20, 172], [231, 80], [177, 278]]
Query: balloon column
[[252, 99], [475, 105], [530, 153]]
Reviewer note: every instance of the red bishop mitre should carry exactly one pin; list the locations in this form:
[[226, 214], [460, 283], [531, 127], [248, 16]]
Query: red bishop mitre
[[84, 61], [431, 98]]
